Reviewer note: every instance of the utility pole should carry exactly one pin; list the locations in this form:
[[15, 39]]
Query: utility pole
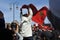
[[13, 7]]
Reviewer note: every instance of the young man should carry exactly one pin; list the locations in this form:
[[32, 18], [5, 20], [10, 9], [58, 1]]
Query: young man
[[26, 29]]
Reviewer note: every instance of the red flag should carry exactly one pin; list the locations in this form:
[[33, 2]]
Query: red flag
[[40, 16]]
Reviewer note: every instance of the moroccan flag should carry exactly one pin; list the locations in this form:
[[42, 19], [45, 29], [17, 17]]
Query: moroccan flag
[[40, 16]]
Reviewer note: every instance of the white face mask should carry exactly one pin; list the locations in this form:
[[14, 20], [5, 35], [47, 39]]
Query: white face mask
[[55, 7]]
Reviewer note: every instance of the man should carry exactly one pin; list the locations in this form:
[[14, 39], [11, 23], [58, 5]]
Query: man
[[26, 30]]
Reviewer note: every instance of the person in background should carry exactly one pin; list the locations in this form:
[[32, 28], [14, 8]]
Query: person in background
[[5, 34], [14, 27]]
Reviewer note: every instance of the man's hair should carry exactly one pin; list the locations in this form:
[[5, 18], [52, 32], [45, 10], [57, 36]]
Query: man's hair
[[13, 25]]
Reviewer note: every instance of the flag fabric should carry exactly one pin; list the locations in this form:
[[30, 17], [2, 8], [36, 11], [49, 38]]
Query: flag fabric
[[40, 15]]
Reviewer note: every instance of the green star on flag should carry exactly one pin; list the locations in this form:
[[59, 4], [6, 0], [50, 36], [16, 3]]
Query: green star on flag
[[41, 13]]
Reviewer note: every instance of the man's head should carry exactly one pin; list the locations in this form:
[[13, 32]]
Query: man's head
[[25, 7], [13, 26]]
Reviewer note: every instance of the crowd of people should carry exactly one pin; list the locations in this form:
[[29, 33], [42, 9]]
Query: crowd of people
[[25, 31]]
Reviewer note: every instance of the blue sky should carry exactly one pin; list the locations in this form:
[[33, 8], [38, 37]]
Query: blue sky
[[5, 5]]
